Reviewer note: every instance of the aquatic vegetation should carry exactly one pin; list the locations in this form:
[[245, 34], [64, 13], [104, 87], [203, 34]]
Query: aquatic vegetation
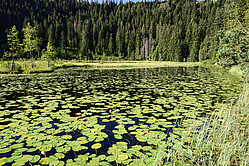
[[79, 117]]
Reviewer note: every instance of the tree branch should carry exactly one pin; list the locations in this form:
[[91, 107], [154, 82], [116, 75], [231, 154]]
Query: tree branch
[[240, 24]]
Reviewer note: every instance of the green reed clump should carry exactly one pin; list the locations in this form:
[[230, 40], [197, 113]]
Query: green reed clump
[[223, 139]]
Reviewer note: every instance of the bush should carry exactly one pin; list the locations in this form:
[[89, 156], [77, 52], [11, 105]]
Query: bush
[[234, 47]]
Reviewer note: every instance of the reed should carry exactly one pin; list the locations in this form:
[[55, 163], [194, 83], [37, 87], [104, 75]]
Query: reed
[[223, 139]]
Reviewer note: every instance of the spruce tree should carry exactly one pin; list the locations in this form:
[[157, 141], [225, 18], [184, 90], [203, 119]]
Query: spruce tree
[[14, 44]]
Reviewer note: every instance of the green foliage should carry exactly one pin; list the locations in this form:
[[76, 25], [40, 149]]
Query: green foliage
[[83, 52], [30, 41], [13, 41], [241, 11], [14, 44], [80, 29], [234, 48], [49, 53]]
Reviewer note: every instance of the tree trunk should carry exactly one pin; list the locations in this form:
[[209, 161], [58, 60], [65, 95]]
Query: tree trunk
[[13, 62], [31, 58], [8, 65]]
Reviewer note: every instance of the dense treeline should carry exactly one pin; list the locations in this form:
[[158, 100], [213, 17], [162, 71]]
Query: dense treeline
[[174, 30]]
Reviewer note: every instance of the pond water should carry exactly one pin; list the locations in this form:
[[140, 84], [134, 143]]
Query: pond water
[[102, 117]]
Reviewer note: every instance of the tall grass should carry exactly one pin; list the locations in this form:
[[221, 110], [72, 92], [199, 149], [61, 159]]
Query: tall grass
[[223, 139]]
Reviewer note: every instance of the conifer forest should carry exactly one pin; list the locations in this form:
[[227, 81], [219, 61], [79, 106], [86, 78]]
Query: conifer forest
[[173, 30], [113, 83]]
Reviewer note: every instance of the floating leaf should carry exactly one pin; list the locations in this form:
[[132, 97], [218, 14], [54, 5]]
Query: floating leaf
[[54, 163], [122, 157], [27, 158], [59, 155], [2, 160], [9, 160], [53, 158], [110, 158], [96, 146], [5, 150], [118, 136], [45, 161], [35, 159], [31, 150], [66, 137], [83, 157]]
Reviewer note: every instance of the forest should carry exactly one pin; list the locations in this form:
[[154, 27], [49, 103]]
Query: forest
[[147, 83], [180, 31]]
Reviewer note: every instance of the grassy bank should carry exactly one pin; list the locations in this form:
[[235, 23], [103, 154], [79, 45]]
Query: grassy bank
[[42, 66], [223, 139], [25, 67]]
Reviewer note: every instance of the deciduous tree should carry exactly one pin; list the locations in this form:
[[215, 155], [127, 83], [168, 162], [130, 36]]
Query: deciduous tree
[[49, 54], [30, 41]]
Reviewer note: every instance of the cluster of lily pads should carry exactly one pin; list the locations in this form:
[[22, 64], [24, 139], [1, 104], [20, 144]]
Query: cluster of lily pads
[[103, 117]]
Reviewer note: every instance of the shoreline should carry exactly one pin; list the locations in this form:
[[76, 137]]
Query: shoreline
[[106, 65]]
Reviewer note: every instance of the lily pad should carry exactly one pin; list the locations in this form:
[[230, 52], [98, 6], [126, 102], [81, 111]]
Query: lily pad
[[45, 161], [122, 157], [96, 146], [35, 159], [59, 155]]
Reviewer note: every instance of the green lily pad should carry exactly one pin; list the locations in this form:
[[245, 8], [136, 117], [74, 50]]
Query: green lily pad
[[53, 158], [5, 150], [45, 161], [35, 159], [122, 157], [2, 160], [9, 160], [54, 163], [110, 158], [83, 157], [59, 155], [118, 136], [66, 137], [96, 146], [27, 158]]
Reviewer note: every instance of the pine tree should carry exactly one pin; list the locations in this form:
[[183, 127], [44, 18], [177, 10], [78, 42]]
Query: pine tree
[[14, 44], [138, 41], [83, 46], [111, 45], [63, 45]]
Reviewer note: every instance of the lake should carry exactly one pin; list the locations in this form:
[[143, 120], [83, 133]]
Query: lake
[[81, 116]]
